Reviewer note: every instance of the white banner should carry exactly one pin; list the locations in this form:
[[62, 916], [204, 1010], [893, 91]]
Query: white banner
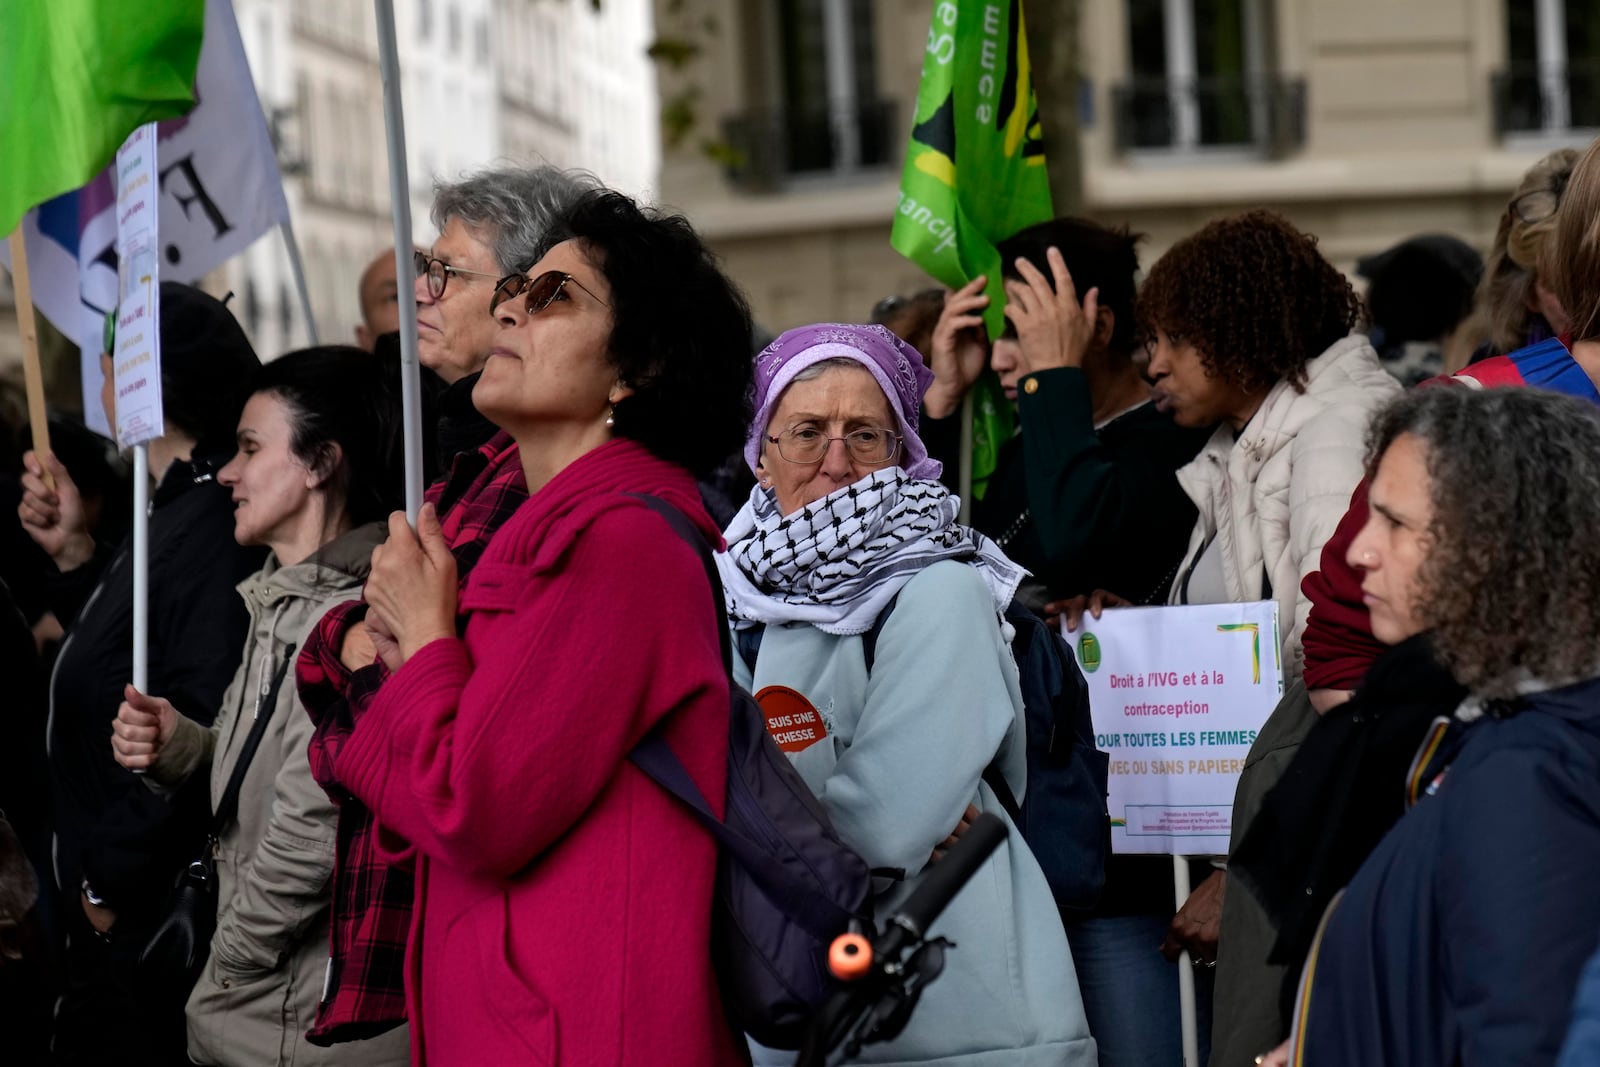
[[1178, 696], [219, 190], [136, 360]]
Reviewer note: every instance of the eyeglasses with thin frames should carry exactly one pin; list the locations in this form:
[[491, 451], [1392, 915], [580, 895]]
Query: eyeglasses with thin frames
[[807, 444], [542, 291], [438, 272]]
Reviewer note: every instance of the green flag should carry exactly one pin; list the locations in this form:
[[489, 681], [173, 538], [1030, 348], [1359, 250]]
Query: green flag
[[76, 77], [975, 170], [974, 175]]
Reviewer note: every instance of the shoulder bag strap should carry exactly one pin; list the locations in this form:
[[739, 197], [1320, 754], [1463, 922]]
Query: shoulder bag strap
[[691, 535], [228, 803]]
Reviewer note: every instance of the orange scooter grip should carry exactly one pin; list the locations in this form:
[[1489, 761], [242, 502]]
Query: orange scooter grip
[[850, 957]]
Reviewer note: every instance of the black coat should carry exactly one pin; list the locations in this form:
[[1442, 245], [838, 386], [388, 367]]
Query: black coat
[[1343, 791], [110, 828]]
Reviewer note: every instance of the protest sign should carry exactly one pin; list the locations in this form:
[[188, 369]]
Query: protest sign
[[1178, 696], [136, 355]]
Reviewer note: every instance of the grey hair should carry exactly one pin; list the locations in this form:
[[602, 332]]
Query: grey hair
[[1511, 585], [520, 208], [823, 366]]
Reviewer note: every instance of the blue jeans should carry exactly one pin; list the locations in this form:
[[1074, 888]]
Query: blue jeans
[[1130, 992]]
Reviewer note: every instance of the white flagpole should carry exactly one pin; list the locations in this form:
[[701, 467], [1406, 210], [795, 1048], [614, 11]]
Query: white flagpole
[[404, 266], [141, 567], [297, 267], [1186, 998]]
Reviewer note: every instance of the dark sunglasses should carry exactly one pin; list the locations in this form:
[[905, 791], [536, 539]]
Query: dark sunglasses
[[541, 291]]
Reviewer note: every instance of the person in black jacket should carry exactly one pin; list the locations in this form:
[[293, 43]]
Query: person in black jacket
[[1086, 497], [118, 845]]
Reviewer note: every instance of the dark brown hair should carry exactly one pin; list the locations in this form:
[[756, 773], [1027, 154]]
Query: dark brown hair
[[1253, 295]]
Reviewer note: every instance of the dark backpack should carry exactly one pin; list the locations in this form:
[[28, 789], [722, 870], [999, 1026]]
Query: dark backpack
[[786, 884], [1063, 816]]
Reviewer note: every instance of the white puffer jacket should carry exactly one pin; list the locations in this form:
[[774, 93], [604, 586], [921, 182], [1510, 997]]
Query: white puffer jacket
[[1273, 497]]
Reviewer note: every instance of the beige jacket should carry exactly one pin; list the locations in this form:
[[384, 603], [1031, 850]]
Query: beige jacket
[[259, 992], [1273, 497]]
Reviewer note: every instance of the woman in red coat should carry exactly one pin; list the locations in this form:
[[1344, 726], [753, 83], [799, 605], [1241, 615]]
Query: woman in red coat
[[563, 898]]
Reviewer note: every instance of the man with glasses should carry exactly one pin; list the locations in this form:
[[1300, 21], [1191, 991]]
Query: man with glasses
[[492, 226]]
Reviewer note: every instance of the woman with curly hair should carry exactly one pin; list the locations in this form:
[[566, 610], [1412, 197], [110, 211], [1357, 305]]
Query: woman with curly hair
[[1249, 328], [1462, 937]]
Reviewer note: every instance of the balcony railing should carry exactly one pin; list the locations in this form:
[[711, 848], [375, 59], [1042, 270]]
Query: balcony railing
[[1262, 116], [1528, 100], [767, 149]]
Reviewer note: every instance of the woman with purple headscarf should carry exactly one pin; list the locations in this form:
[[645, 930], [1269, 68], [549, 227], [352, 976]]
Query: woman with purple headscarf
[[849, 541]]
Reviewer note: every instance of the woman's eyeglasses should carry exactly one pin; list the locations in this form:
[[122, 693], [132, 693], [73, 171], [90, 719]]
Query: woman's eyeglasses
[[438, 272], [541, 291], [807, 444]]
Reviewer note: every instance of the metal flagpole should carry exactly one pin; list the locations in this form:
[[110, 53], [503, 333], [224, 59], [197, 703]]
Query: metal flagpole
[[1186, 997], [404, 266], [297, 267]]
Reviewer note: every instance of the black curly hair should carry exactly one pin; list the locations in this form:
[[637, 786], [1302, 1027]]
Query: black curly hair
[[1253, 295], [681, 330]]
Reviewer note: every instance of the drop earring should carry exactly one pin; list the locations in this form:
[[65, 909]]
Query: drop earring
[[611, 418]]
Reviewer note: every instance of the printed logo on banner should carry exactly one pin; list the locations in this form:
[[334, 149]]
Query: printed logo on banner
[[1089, 652], [792, 720]]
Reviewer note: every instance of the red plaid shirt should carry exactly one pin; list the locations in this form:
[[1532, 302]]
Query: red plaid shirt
[[373, 891]]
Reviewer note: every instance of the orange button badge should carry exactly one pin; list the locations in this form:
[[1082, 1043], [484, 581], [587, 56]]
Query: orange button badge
[[791, 719]]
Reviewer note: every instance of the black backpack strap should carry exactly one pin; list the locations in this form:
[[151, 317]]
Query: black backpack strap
[[228, 803], [869, 640], [1003, 793], [749, 642], [690, 534]]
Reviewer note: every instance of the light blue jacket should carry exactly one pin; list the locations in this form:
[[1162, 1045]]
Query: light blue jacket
[[903, 757]]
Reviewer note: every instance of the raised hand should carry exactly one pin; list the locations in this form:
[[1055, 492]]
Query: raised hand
[[1052, 328], [958, 352]]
